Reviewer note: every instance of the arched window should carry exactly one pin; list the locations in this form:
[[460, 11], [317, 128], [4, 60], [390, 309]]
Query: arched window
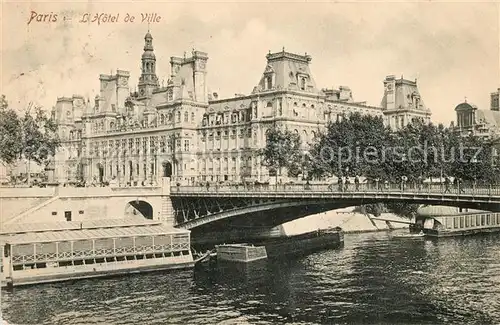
[[192, 117], [162, 119], [178, 117], [303, 83], [269, 82], [186, 117]]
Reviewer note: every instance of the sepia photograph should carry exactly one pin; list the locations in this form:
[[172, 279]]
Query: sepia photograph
[[249, 163]]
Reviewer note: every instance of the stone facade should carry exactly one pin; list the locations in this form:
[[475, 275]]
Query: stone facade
[[182, 131], [481, 122]]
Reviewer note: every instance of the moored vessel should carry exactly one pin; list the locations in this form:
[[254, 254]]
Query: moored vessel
[[443, 221], [244, 253], [91, 249], [303, 243]]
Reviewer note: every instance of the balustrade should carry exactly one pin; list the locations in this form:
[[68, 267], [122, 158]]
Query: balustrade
[[375, 188]]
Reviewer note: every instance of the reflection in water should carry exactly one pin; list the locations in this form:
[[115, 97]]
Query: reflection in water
[[373, 279]]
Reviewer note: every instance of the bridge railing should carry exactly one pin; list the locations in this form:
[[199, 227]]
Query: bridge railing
[[483, 190]]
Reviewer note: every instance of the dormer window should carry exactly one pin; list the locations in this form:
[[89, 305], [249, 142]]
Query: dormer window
[[303, 83]]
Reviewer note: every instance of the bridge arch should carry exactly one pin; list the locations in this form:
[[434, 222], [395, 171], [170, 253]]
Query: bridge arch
[[138, 208]]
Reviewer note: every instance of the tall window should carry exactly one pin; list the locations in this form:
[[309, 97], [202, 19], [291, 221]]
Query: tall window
[[186, 145], [269, 82], [186, 117], [303, 83]]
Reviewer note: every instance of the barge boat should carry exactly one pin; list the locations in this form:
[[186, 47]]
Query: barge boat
[[77, 250], [441, 221], [241, 253], [304, 243]]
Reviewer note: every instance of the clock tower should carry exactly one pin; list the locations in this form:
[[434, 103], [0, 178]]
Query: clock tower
[[148, 81]]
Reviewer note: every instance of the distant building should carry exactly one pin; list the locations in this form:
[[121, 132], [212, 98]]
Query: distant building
[[182, 130], [481, 122]]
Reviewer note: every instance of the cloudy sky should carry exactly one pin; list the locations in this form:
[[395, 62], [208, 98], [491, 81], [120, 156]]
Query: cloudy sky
[[452, 48]]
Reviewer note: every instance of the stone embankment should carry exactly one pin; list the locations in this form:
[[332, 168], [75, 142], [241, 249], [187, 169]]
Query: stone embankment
[[350, 222]]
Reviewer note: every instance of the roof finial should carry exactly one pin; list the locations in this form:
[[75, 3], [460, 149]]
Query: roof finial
[[466, 99], [283, 49], [148, 26], [401, 76], [269, 51]]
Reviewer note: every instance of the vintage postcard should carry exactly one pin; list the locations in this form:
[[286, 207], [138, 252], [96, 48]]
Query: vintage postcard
[[283, 162]]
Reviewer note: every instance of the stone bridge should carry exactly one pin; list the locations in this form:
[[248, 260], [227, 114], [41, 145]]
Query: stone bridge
[[220, 208]]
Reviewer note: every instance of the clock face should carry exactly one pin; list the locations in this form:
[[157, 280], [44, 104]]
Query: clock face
[[142, 91], [78, 102], [202, 65], [389, 86], [124, 82]]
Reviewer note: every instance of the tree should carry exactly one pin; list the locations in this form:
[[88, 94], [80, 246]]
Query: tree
[[10, 133], [40, 138], [32, 137], [473, 159], [282, 150], [352, 146]]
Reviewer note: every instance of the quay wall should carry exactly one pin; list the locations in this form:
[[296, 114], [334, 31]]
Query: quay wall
[[54, 204]]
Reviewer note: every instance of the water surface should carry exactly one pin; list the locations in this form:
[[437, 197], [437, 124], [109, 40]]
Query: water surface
[[373, 279]]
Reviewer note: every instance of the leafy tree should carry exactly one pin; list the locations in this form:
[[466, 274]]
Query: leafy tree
[[32, 137], [10, 133], [473, 160], [282, 150], [351, 146]]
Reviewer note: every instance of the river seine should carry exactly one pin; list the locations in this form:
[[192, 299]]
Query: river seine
[[373, 279]]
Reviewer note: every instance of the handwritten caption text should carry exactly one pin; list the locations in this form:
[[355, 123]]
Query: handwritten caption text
[[95, 18]]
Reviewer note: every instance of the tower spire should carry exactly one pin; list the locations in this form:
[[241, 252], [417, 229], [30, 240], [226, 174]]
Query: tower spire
[[148, 81]]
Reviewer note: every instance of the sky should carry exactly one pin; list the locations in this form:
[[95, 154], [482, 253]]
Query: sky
[[452, 48]]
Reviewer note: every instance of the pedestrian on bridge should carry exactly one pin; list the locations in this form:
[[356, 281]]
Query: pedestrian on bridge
[[347, 182], [447, 184], [356, 182], [339, 181], [208, 186], [404, 179]]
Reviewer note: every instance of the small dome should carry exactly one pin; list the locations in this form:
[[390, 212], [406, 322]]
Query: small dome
[[465, 106], [440, 211], [148, 55], [148, 36]]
